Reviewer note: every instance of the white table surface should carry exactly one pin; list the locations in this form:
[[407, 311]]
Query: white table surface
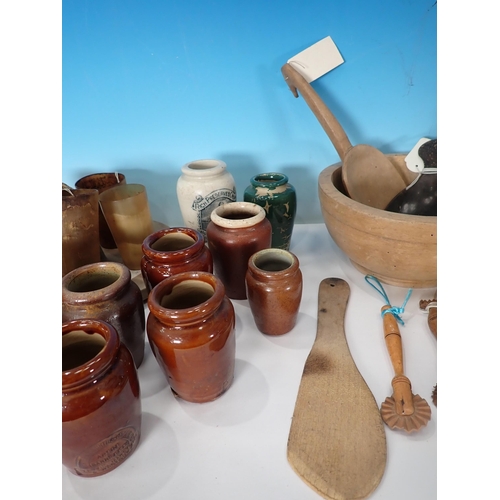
[[235, 447]]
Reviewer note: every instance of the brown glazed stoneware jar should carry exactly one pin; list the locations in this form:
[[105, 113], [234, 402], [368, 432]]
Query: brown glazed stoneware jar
[[105, 291], [191, 333], [101, 405], [274, 290], [237, 231], [173, 251]]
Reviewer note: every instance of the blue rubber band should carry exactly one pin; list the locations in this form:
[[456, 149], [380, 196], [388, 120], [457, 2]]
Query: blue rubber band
[[395, 311]]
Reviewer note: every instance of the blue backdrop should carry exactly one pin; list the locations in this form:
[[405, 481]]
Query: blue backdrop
[[149, 85]]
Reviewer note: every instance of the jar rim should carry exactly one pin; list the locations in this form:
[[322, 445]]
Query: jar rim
[[219, 215], [196, 246], [269, 179], [201, 310], [101, 179], [284, 255], [116, 270], [204, 167], [96, 365]]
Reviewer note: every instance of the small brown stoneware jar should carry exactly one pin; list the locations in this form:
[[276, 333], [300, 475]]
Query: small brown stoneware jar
[[102, 182], [236, 231], [101, 405], [173, 251], [191, 333], [274, 290], [105, 291]]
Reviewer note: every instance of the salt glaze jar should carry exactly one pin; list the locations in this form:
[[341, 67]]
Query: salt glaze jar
[[277, 196], [274, 290], [105, 291], [236, 231], [203, 185], [101, 405], [191, 333], [172, 251]]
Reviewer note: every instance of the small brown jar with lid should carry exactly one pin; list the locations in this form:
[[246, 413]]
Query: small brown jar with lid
[[236, 231], [173, 251], [274, 290], [101, 405], [191, 333], [105, 291]]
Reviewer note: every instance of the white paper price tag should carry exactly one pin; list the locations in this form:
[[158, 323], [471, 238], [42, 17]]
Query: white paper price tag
[[317, 60]]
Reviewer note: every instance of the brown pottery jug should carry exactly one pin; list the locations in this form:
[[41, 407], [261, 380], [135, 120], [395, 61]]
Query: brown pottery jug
[[101, 405], [191, 332], [105, 291]]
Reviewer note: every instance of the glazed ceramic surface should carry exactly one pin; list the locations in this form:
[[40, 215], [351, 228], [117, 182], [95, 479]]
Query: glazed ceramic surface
[[172, 251], [203, 186], [236, 231], [106, 292], [278, 198], [274, 290], [191, 332], [101, 405]]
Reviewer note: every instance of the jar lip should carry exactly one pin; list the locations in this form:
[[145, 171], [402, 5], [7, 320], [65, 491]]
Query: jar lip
[[269, 179], [100, 362], [149, 251], [219, 215], [106, 292], [283, 255], [202, 309], [101, 180], [203, 167]]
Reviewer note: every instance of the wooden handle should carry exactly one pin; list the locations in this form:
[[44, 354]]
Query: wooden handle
[[401, 385], [325, 117]]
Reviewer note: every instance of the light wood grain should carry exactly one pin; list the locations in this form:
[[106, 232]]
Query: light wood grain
[[337, 442]]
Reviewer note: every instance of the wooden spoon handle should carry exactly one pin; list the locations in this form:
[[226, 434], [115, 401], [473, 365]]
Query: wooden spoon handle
[[325, 117], [401, 385]]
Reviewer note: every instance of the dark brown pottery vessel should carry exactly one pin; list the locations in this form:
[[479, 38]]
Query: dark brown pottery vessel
[[105, 291], [173, 251], [101, 405], [102, 182], [274, 290], [80, 228], [191, 332], [237, 231]]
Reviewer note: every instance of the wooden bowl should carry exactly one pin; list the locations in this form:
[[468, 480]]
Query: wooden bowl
[[398, 249]]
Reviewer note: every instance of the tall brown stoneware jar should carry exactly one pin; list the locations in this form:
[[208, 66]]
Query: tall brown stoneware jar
[[172, 251], [105, 291], [274, 290], [191, 333], [236, 231], [101, 405]]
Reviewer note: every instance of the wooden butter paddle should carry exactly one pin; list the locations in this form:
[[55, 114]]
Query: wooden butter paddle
[[337, 441]]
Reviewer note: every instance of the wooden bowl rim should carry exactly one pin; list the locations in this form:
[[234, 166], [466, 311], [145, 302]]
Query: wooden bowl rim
[[330, 191]]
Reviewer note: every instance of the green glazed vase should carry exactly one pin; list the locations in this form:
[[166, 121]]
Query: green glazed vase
[[277, 197]]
